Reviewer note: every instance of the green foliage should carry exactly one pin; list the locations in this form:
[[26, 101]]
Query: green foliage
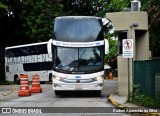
[[144, 100], [10, 23], [111, 36], [152, 7], [112, 6], [117, 5], [144, 4], [113, 49], [111, 58], [82, 7], [93, 7], [2, 6], [38, 18], [154, 22]]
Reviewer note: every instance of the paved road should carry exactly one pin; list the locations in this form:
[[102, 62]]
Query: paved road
[[48, 99]]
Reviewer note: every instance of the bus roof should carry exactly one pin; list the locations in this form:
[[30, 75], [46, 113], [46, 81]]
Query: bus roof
[[77, 17], [32, 44]]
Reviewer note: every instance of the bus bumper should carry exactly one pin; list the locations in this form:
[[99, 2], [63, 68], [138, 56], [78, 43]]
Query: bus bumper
[[61, 86]]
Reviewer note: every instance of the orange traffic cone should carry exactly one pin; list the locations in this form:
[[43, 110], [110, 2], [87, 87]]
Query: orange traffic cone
[[36, 88], [24, 86], [110, 75]]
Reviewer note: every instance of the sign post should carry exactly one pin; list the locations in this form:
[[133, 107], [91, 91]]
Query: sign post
[[128, 53]]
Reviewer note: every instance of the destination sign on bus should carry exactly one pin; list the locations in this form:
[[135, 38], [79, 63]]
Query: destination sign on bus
[[78, 44]]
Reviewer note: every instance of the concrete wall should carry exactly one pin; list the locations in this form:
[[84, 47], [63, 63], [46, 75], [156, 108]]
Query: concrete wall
[[123, 20], [136, 25], [142, 45]]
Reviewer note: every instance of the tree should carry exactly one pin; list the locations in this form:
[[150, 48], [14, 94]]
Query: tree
[[3, 9], [3, 6], [154, 24], [152, 7], [111, 58], [82, 7], [11, 22], [112, 6], [38, 18]]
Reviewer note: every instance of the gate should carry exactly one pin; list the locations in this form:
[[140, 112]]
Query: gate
[[147, 76]]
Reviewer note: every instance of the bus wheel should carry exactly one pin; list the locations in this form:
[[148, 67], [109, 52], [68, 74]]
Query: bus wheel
[[16, 79], [50, 77]]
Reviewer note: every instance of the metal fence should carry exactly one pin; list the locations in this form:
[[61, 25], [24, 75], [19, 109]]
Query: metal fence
[[147, 76]]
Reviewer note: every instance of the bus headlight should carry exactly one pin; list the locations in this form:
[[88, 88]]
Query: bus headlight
[[99, 78], [57, 78]]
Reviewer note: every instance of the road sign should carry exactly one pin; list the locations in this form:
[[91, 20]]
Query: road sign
[[127, 48]]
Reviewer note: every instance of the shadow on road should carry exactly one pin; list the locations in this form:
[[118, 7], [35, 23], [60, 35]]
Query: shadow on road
[[78, 94]]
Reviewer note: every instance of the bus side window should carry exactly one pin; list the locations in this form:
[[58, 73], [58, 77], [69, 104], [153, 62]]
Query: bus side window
[[9, 53], [38, 49], [6, 53], [25, 51], [17, 52], [7, 68], [33, 50], [41, 49]]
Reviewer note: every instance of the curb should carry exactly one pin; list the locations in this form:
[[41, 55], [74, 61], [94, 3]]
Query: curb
[[120, 106], [110, 99]]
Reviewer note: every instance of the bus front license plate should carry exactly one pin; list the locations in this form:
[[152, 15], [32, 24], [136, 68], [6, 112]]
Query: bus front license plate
[[78, 87]]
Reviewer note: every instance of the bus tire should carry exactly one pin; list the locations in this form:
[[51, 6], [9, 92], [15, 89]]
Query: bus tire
[[57, 92], [50, 77], [42, 82], [16, 79]]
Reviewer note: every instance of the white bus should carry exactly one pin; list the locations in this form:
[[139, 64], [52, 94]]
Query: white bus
[[78, 50], [28, 59]]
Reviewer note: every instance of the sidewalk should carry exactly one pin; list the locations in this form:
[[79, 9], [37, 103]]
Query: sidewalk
[[121, 103]]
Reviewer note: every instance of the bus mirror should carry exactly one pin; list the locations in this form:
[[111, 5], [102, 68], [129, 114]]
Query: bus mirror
[[106, 46], [49, 46], [105, 21]]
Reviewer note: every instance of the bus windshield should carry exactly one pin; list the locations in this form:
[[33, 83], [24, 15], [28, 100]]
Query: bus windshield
[[79, 29], [79, 59]]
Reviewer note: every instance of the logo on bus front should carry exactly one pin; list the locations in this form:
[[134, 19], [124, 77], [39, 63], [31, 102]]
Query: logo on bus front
[[97, 43], [77, 77], [58, 43]]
